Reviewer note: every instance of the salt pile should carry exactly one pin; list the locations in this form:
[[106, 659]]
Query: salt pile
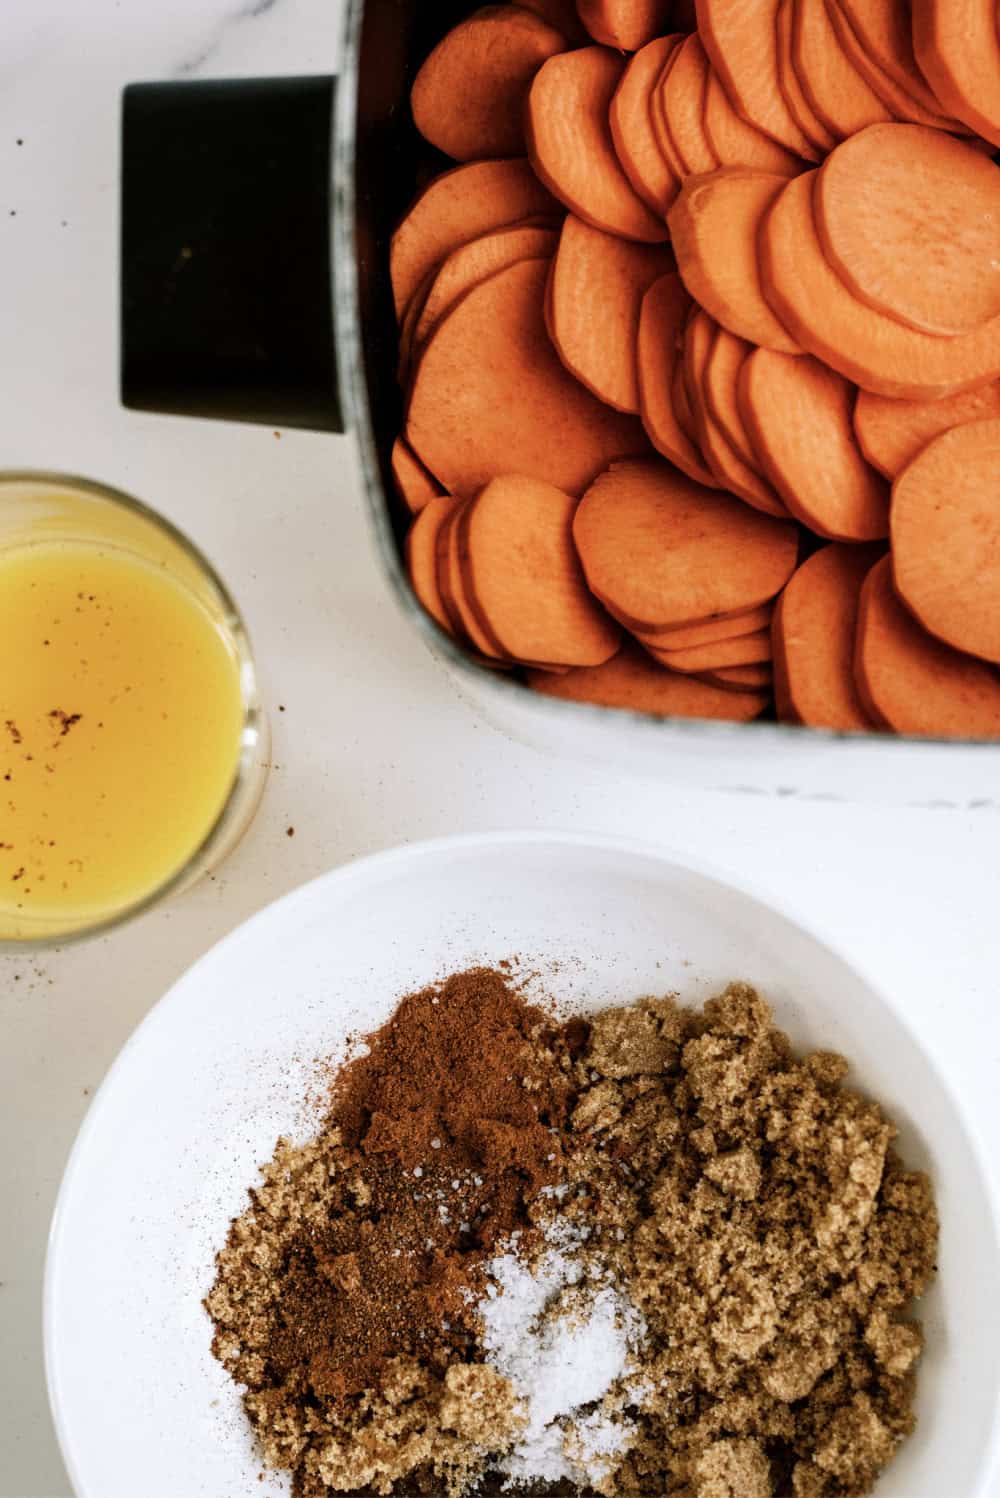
[[563, 1340]]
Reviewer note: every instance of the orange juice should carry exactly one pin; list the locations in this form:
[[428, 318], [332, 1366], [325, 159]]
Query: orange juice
[[120, 724]]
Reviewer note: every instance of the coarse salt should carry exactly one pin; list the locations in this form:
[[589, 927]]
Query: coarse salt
[[563, 1340]]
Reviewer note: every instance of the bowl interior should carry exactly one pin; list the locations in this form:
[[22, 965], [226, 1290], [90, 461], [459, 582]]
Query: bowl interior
[[224, 1063]]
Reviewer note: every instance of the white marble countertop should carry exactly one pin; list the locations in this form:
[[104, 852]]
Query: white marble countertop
[[368, 718]]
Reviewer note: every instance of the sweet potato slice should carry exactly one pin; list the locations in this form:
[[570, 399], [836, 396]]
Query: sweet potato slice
[[411, 313], [659, 549], [742, 650], [525, 582], [682, 100], [471, 264], [421, 557], [685, 416], [739, 37], [630, 117], [912, 682], [660, 123], [796, 102], [725, 463], [713, 226], [708, 631], [632, 680], [596, 288], [838, 95], [876, 352], [662, 318], [891, 433], [489, 394], [799, 416], [735, 143], [468, 97], [813, 634], [562, 14], [720, 383], [917, 106], [462, 623], [958, 51], [758, 678], [458, 206], [884, 29], [570, 144], [946, 537], [414, 485], [909, 218], [625, 24]]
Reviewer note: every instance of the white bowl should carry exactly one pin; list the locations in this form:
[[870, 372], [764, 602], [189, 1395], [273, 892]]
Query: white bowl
[[219, 1067]]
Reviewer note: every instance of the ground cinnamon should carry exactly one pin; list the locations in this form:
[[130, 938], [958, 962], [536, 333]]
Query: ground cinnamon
[[435, 1141]]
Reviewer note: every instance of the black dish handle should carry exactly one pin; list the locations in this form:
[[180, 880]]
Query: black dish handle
[[226, 284]]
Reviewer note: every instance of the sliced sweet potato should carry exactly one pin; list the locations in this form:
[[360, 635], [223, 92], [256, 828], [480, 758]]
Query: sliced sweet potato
[[892, 432], [682, 100], [562, 14], [799, 416], [421, 557], [625, 24], [632, 680], [918, 107], [758, 678], [914, 683], [632, 132], [570, 144], [735, 143], [813, 634], [713, 226], [708, 631], [414, 485], [838, 95], [489, 393], [723, 459], [958, 51], [469, 95], [659, 549], [525, 582], [739, 37], [884, 29], [462, 622], [685, 416], [411, 313], [909, 218], [742, 650], [873, 351], [458, 206], [719, 383], [662, 318], [596, 288], [796, 102], [471, 263], [660, 123], [946, 537]]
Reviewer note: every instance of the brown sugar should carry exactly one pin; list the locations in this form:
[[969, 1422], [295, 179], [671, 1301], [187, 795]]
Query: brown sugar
[[745, 1204]]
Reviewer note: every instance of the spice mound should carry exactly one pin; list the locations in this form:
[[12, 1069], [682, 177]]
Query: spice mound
[[651, 1252]]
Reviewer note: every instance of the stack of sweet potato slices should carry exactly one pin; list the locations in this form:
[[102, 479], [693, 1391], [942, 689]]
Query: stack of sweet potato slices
[[700, 348]]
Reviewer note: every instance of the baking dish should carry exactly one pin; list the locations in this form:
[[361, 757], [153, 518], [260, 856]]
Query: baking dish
[[256, 223]]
